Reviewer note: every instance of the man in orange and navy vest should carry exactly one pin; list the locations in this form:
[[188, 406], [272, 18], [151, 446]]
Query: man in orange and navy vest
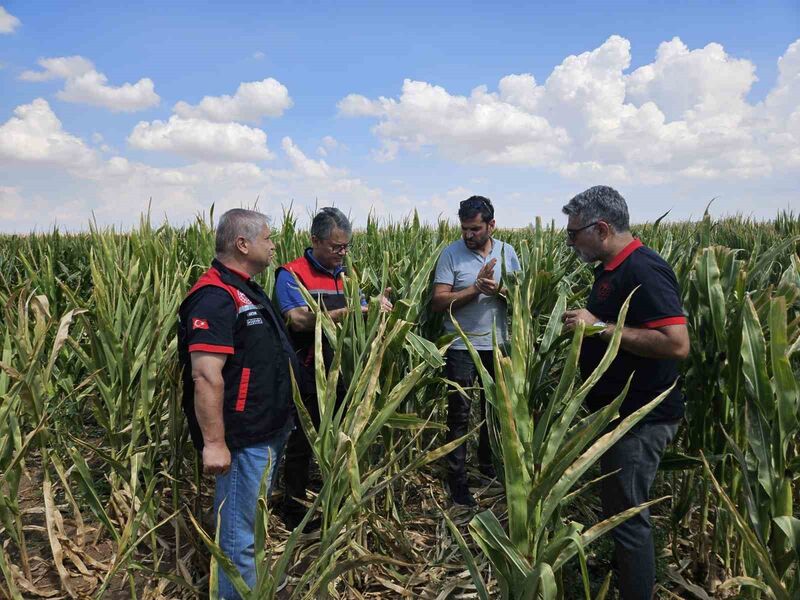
[[320, 270], [654, 338], [236, 358]]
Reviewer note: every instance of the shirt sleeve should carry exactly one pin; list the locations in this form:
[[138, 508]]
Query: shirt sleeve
[[512, 261], [287, 292], [444, 269], [657, 301], [211, 318]]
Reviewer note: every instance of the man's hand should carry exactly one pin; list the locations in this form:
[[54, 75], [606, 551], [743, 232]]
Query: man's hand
[[216, 458], [386, 305], [209, 389], [485, 282], [572, 317], [487, 286], [487, 270]]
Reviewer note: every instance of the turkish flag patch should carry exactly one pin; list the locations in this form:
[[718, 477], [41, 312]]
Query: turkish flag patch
[[199, 324]]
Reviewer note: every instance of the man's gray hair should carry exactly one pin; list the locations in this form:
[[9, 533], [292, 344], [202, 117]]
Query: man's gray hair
[[236, 223], [326, 220], [600, 203]]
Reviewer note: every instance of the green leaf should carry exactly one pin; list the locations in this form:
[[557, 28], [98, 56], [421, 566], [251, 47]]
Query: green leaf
[[426, 349], [754, 361], [790, 526], [784, 381], [488, 533], [474, 572], [91, 495], [222, 560], [710, 288], [760, 553]]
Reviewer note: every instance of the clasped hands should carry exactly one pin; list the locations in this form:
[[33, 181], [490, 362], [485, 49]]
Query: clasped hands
[[485, 282]]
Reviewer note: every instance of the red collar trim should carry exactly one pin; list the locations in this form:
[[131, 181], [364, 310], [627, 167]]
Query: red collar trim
[[623, 254], [241, 274]]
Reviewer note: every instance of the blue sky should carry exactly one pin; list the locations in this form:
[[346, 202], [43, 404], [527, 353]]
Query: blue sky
[[378, 106]]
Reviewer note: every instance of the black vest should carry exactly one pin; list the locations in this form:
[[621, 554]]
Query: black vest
[[258, 393]]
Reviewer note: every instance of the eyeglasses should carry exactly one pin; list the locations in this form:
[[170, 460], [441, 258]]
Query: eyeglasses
[[339, 248], [572, 233]]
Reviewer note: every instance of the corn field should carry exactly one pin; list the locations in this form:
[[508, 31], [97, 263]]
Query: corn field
[[102, 494]]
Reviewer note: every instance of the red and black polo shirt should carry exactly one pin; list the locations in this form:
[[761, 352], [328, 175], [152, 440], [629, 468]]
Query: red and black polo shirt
[[657, 303], [328, 289], [227, 312]]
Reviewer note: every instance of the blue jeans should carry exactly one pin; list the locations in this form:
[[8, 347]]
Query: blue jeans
[[636, 455], [239, 488]]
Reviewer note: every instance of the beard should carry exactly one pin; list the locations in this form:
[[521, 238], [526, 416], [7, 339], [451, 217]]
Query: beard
[[585, 257], [477, 242]]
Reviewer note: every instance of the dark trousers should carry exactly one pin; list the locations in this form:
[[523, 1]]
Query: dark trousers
[[296, 468], [461, 370], [636, 455]]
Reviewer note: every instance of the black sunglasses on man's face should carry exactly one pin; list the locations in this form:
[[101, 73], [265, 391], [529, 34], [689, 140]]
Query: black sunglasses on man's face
[[572, 233]]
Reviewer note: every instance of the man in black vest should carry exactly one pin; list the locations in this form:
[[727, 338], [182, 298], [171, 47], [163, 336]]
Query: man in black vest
[[236, 358], [320, 270], [654, 339]]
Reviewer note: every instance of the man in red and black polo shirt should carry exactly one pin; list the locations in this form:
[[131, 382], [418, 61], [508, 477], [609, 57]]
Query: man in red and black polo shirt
[[320, 270], [654, 339], [236, 358]]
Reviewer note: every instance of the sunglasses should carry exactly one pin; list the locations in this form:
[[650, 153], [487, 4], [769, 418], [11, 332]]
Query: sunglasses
[[477, 204], [572, 233]]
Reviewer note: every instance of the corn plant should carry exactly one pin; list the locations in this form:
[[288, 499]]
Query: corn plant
[[769, 530], [29, 384], [101, 428], [375, 391], [129, 348], [544, 455]]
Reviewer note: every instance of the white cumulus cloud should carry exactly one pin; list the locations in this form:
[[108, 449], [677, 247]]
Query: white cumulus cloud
[[685, 115], [62, 67], [8, 22], [355, 105], [687, 83], [328, 143], [23, 213], [780, 111], [252, 101], [203, 140], [317, 169], [85, 85], [92, 88], [479, 127], [35, 135]]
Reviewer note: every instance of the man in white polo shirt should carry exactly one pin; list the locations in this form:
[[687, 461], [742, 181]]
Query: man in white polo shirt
[[468, 284]]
